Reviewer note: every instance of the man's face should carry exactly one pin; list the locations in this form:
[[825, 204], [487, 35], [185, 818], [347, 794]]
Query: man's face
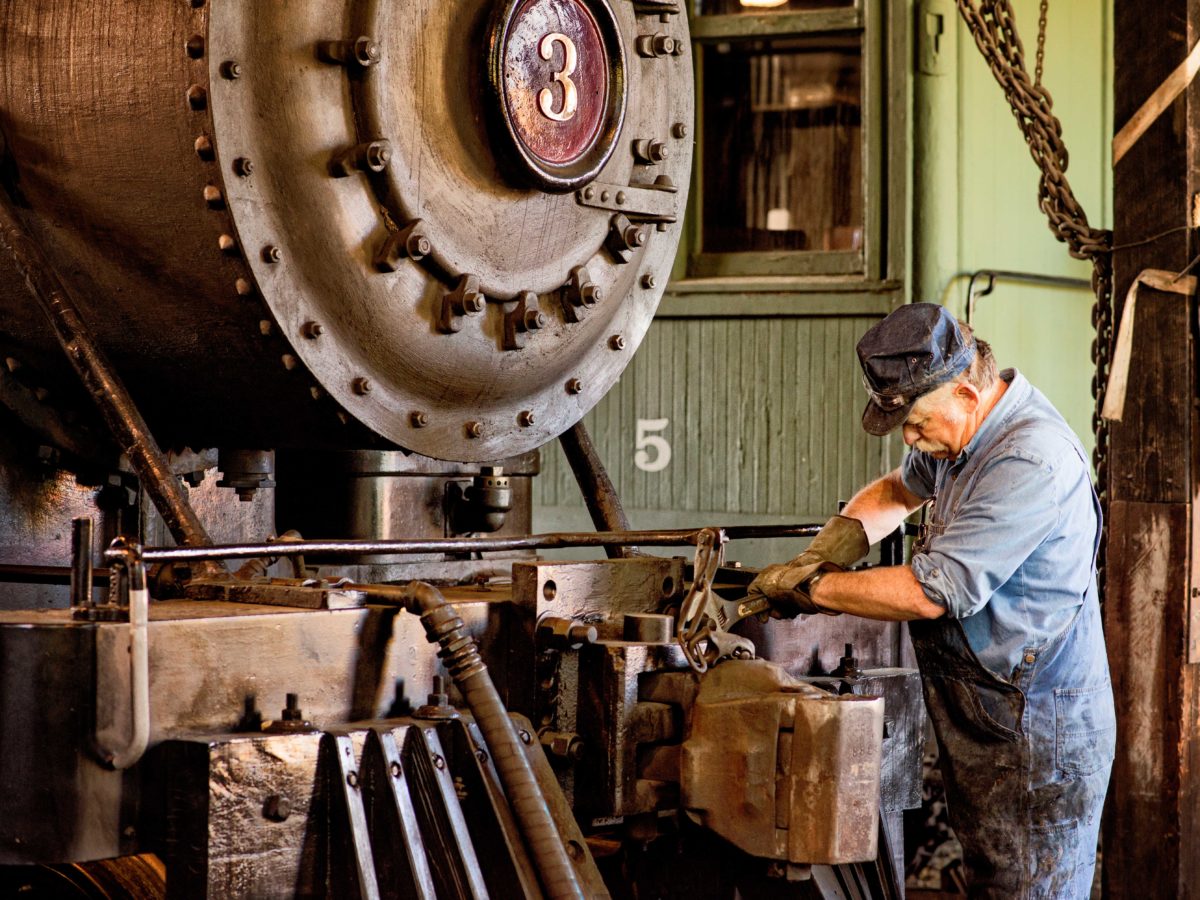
[[940, 422]]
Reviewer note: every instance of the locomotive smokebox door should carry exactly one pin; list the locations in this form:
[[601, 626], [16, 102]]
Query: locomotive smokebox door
[[348, 224]]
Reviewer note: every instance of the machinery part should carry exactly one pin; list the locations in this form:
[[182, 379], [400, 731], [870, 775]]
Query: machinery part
[[246, 471], [136, 598], [597, 488], [185, 152], [696, 617], [126, 425], [437, 706], [458, 652], [800, 767], [682, 537], [557, 633], [483, 506], [291, 720], [648, 628], [81, 563], [142, 877]]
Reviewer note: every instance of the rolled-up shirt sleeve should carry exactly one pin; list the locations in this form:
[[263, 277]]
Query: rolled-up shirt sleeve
[[1012, 507], [918, 473]]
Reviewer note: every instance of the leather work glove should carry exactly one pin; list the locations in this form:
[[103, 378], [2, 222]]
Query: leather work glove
[[841, 543]]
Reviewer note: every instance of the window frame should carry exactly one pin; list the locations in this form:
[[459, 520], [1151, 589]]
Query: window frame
[[883, 182]]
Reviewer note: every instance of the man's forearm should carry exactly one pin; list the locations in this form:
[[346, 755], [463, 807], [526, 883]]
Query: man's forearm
[[882, 505], [892, 594]]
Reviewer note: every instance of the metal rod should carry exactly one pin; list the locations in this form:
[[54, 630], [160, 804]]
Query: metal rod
[[125, 423], [22, 574], [81, 562], [1024, 277], [681, 537], [597, 488]]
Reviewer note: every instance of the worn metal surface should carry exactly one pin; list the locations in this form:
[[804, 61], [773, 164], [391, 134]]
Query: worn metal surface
[[280, 258], [603, 502], [799, 768]]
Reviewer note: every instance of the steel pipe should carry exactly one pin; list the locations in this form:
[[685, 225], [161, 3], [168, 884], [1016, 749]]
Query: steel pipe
[[461, 657], [680, 537], [126, 425], [599, 493]]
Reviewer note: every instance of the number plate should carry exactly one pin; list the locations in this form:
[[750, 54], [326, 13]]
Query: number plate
[[558, 71]]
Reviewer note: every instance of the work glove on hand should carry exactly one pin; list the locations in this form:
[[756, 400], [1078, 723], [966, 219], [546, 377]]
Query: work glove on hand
[[841, 543]]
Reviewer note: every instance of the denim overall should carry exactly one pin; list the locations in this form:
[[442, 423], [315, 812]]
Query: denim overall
[[1025, 755]]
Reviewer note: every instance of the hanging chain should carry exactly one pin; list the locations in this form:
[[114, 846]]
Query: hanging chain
[[1041, 51], [993, 25]]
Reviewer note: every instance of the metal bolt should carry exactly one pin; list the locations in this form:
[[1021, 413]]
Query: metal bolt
[[525, 736], [379, 154], [231, 70], [243, 287], [197, 98], [352, 779], [312, 330], [227, 243], [525, 418], [663, 44], [289, 362], [658, 151], [419, 419], [204, 148], [620, 198], [272, 254], [588, 193], [604, 196], [679, 131], [361, 386], [195, 46], [277, 808], [648, 281], [574, 386], [474, 429], [439, 763], [591, 294], [418, 246], [534, 319], [243, 167], [481, 755], [366, 51], [474, 303], [395, 769], [634, 236], [616, 342], [213, 197]]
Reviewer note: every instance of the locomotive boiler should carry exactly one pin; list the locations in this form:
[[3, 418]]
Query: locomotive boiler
[[363, 258]]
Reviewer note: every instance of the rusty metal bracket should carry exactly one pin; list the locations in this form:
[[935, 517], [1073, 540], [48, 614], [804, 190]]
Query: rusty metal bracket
[[523, 319], [465, 300], [400, 858], [580, 295], [646, 203], [346, 785], [411, 241]]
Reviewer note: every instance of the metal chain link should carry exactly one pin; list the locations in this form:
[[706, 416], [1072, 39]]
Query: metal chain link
[[993, 25]]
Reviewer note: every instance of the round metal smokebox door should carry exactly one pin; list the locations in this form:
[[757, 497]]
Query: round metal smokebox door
[[557, 72]]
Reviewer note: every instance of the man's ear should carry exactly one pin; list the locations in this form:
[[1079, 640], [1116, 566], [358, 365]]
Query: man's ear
[[967, 394]]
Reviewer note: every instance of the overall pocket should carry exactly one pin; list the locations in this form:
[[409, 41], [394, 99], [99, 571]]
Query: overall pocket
[[1085, 728]]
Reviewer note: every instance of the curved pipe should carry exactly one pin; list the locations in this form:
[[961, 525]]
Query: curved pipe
[[461, 657], [134, 571]]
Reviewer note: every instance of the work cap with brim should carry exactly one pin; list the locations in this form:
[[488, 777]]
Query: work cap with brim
[[914, 350]]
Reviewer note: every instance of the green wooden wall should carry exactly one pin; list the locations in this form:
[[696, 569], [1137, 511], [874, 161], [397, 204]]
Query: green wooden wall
[[764, 411]]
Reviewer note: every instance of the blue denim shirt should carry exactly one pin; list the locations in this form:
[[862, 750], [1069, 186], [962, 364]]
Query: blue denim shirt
[[1013, 529]]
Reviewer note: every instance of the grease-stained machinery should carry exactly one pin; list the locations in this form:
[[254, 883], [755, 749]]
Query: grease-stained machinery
[[376, 253]]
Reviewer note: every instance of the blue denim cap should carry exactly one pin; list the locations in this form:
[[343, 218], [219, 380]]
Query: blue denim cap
[[914, 350]]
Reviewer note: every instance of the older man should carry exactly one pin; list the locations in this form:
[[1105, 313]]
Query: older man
[[1000, 591]]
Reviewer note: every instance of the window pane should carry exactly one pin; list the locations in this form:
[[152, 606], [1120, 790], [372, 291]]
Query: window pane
[[783, 145], [725, 7]]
